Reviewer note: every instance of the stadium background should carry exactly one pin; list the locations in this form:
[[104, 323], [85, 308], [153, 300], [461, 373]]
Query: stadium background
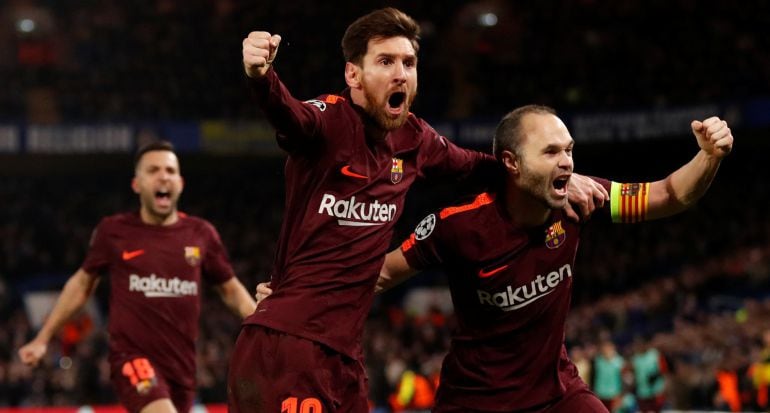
[[83, 83]]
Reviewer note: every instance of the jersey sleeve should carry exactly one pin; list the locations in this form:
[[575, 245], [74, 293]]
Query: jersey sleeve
[[440, 157], [216, 264], [97, 259], [295, 121], [422, 249]]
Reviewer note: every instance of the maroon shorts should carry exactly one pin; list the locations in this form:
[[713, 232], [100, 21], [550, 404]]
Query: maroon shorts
[[578, 399], [137, 383], [274, 372]]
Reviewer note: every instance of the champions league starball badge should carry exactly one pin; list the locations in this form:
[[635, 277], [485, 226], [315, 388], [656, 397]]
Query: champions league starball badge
[[425, 227]]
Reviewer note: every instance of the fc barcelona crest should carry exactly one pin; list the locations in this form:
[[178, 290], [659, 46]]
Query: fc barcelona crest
[[397, 170], [192, 255], [555, 236]]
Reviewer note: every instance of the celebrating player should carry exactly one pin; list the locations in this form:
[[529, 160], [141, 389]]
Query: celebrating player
[[352, 158], [509, 256], [155, 259]]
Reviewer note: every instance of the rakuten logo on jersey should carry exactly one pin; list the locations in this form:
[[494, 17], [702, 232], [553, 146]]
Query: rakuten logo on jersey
[[514, 298], [154, 286], [357, 214]]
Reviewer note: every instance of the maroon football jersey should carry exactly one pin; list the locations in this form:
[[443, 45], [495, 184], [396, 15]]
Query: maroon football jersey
[[511, 291], [343, 197], [155, 285]]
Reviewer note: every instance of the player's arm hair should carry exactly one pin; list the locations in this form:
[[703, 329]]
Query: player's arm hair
[[236, 298], [72, 299], [395, 270]]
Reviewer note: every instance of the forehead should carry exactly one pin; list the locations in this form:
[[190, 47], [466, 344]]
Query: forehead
[[400, 46], [544, 129], [159, 159]]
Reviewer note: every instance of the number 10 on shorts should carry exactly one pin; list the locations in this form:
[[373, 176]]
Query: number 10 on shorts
[[309, 405]]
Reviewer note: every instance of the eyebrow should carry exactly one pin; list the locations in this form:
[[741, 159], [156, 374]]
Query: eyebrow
[[395, 55]]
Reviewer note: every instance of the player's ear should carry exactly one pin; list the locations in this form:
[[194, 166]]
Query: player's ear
[[135, 185], [181, 184], [511, 162], [353, 75]]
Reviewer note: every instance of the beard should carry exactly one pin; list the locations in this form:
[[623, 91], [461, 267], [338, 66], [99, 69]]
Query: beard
[[375, 108], [539, 188]]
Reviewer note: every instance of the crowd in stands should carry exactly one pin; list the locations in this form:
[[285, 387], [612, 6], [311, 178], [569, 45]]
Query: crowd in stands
[[173, 59]]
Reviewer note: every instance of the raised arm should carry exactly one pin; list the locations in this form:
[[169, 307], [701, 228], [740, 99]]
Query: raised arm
[[73, 297], [395, 270], [236, 297], [686, 185], [292, 118]]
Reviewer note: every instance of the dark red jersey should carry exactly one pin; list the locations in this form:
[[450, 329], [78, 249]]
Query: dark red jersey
[[511, 292], [155, 285], [343, 197]]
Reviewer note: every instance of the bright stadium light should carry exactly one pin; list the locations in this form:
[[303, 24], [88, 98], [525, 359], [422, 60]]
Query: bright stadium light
[[487, 19], [25, 25]]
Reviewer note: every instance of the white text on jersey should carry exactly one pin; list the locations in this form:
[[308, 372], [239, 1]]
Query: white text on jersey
[[357, 214], [512, 299], [154, 286]]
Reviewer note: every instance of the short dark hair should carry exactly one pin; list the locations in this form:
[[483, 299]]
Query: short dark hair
[[508, 133], [156, 145], [383, 24]]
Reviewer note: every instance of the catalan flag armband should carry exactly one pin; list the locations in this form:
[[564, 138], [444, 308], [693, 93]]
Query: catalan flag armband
[[629, 202]]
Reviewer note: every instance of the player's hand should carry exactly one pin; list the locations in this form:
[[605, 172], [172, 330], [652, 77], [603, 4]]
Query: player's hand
[[259, 50], [586, 194], [263, 290], [714, 136], [31, 353]]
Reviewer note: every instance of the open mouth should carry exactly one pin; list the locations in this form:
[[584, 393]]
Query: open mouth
[[163, 198], [396, 100], [560, 184]]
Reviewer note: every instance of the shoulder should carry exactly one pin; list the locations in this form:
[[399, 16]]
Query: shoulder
[[118, 220], [468, 207], [198, 225], [462, 216], [329, 104]]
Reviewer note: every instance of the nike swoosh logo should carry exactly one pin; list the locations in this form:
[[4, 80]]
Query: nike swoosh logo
[[485, 274], [129, 255], [347, 172]]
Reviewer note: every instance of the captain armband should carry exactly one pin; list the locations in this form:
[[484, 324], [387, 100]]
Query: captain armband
[[629, 202]]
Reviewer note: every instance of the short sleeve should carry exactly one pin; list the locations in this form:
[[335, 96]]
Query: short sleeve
[[216, 264], [97, 259], [422, 249]]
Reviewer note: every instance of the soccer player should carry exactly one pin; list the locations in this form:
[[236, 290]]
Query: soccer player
[[352, 158], [509, 256], [156, 259]]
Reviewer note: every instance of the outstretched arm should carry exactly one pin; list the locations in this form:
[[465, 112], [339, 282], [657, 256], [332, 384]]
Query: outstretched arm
[[236, 298], [73, 297], [686, 185], [395, 270]]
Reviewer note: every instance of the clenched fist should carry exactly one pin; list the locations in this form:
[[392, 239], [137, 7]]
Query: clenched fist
[[714, 136], [259, 50]]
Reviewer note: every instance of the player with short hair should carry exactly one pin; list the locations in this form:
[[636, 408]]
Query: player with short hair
[[352, 158], [509, 256], [156, 259]]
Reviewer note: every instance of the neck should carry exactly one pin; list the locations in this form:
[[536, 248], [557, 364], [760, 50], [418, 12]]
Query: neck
[[524, 210], [153, 219]]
